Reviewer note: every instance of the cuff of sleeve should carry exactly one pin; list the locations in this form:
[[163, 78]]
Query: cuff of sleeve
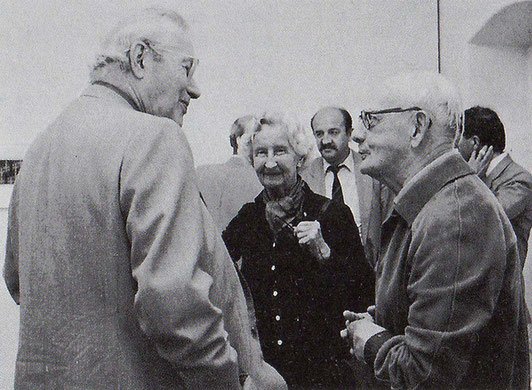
[[373, 345]]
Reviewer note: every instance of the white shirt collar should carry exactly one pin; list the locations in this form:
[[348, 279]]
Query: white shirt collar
[[349, 163], [495, 161]]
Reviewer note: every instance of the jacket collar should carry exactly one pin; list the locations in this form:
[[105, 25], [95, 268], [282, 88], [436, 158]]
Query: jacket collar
[[104, 90], [427, 182], [499, 168]]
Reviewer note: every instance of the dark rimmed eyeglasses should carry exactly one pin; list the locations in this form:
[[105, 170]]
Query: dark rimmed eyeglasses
[[367, 116]]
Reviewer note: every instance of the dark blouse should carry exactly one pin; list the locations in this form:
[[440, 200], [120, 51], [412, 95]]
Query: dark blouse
[[298, 300]]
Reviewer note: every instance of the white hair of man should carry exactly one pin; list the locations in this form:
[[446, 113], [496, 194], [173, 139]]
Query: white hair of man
[[428, 91], [145, 26], [299, 138]]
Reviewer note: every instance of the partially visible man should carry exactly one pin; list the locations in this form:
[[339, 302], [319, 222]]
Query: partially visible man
[[227, 187], [336, 175], [121, 277], [482, 144], [448, 291]]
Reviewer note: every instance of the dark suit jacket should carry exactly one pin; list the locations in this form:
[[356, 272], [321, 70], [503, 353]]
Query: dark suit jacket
[[512, 185], [375, 200], [227, 187], [120, 273]]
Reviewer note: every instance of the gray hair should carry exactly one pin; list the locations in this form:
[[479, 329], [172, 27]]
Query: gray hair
[[430, 91], [145, 26], [241, 126], [298, 137]]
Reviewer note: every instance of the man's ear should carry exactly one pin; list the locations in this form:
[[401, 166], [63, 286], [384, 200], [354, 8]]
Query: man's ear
[[421, 125], [137, 56], [476, 142]]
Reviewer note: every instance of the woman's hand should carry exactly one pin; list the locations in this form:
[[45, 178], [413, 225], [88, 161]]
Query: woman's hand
[[309, 236]]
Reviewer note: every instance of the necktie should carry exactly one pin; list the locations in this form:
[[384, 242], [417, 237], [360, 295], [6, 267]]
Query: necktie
[[337, 194]]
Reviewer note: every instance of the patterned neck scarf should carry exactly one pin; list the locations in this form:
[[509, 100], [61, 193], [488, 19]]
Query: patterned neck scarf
[[280, 212]]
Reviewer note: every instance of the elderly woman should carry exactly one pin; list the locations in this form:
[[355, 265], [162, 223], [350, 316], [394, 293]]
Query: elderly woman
[[302, 258]]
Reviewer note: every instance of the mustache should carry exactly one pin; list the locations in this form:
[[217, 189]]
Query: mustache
[[328, 146], [270, 171]]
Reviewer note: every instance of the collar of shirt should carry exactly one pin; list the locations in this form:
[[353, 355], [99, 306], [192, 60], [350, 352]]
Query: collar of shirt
[[348, 162], [349, 185], [427, 182], [495, 161]]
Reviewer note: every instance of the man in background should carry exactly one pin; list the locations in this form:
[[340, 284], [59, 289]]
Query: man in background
[[336, 175], [482, 144], [122, 279], [228, 186]]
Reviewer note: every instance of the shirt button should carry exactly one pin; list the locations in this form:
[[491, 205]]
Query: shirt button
[[275, 293], [273, 267], [277, 318], [279, 342]]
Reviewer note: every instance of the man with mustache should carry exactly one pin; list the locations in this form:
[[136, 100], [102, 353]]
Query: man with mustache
[[336, 175]]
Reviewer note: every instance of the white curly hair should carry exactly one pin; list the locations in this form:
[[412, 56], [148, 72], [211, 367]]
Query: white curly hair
[[298, 136]]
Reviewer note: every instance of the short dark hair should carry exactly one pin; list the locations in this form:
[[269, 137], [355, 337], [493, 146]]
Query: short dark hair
[[486, 125], [348, 121]]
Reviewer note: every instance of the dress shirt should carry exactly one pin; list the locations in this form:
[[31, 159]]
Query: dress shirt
[[347, 178], [494, 161]]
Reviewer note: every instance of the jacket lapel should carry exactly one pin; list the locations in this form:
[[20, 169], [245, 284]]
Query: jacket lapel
[[498, 170]]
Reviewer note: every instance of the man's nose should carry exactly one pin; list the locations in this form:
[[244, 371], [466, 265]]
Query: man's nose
[[193, 89], [359, 134]]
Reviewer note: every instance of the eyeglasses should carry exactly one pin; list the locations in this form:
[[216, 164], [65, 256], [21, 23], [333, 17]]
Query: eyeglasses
[[367, 117], [189, 70]]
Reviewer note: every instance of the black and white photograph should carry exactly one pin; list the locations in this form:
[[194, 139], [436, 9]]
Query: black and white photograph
[[266, 195]]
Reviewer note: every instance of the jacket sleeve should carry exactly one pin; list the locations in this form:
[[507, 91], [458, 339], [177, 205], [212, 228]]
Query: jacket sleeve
[[11, 275], [173, 248], [457, 260], [515, 195]]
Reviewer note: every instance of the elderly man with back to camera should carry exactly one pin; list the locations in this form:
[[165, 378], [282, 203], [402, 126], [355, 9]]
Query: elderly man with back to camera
[[302, 258], [121, 277]]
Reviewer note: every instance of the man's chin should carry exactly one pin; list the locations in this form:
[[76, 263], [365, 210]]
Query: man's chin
[[329, 156], [367, 169]]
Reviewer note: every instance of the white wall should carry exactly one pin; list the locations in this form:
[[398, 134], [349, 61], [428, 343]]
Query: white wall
[[9, 312]]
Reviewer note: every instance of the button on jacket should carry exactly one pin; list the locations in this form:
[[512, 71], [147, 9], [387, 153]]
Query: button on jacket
[[298, 301]]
